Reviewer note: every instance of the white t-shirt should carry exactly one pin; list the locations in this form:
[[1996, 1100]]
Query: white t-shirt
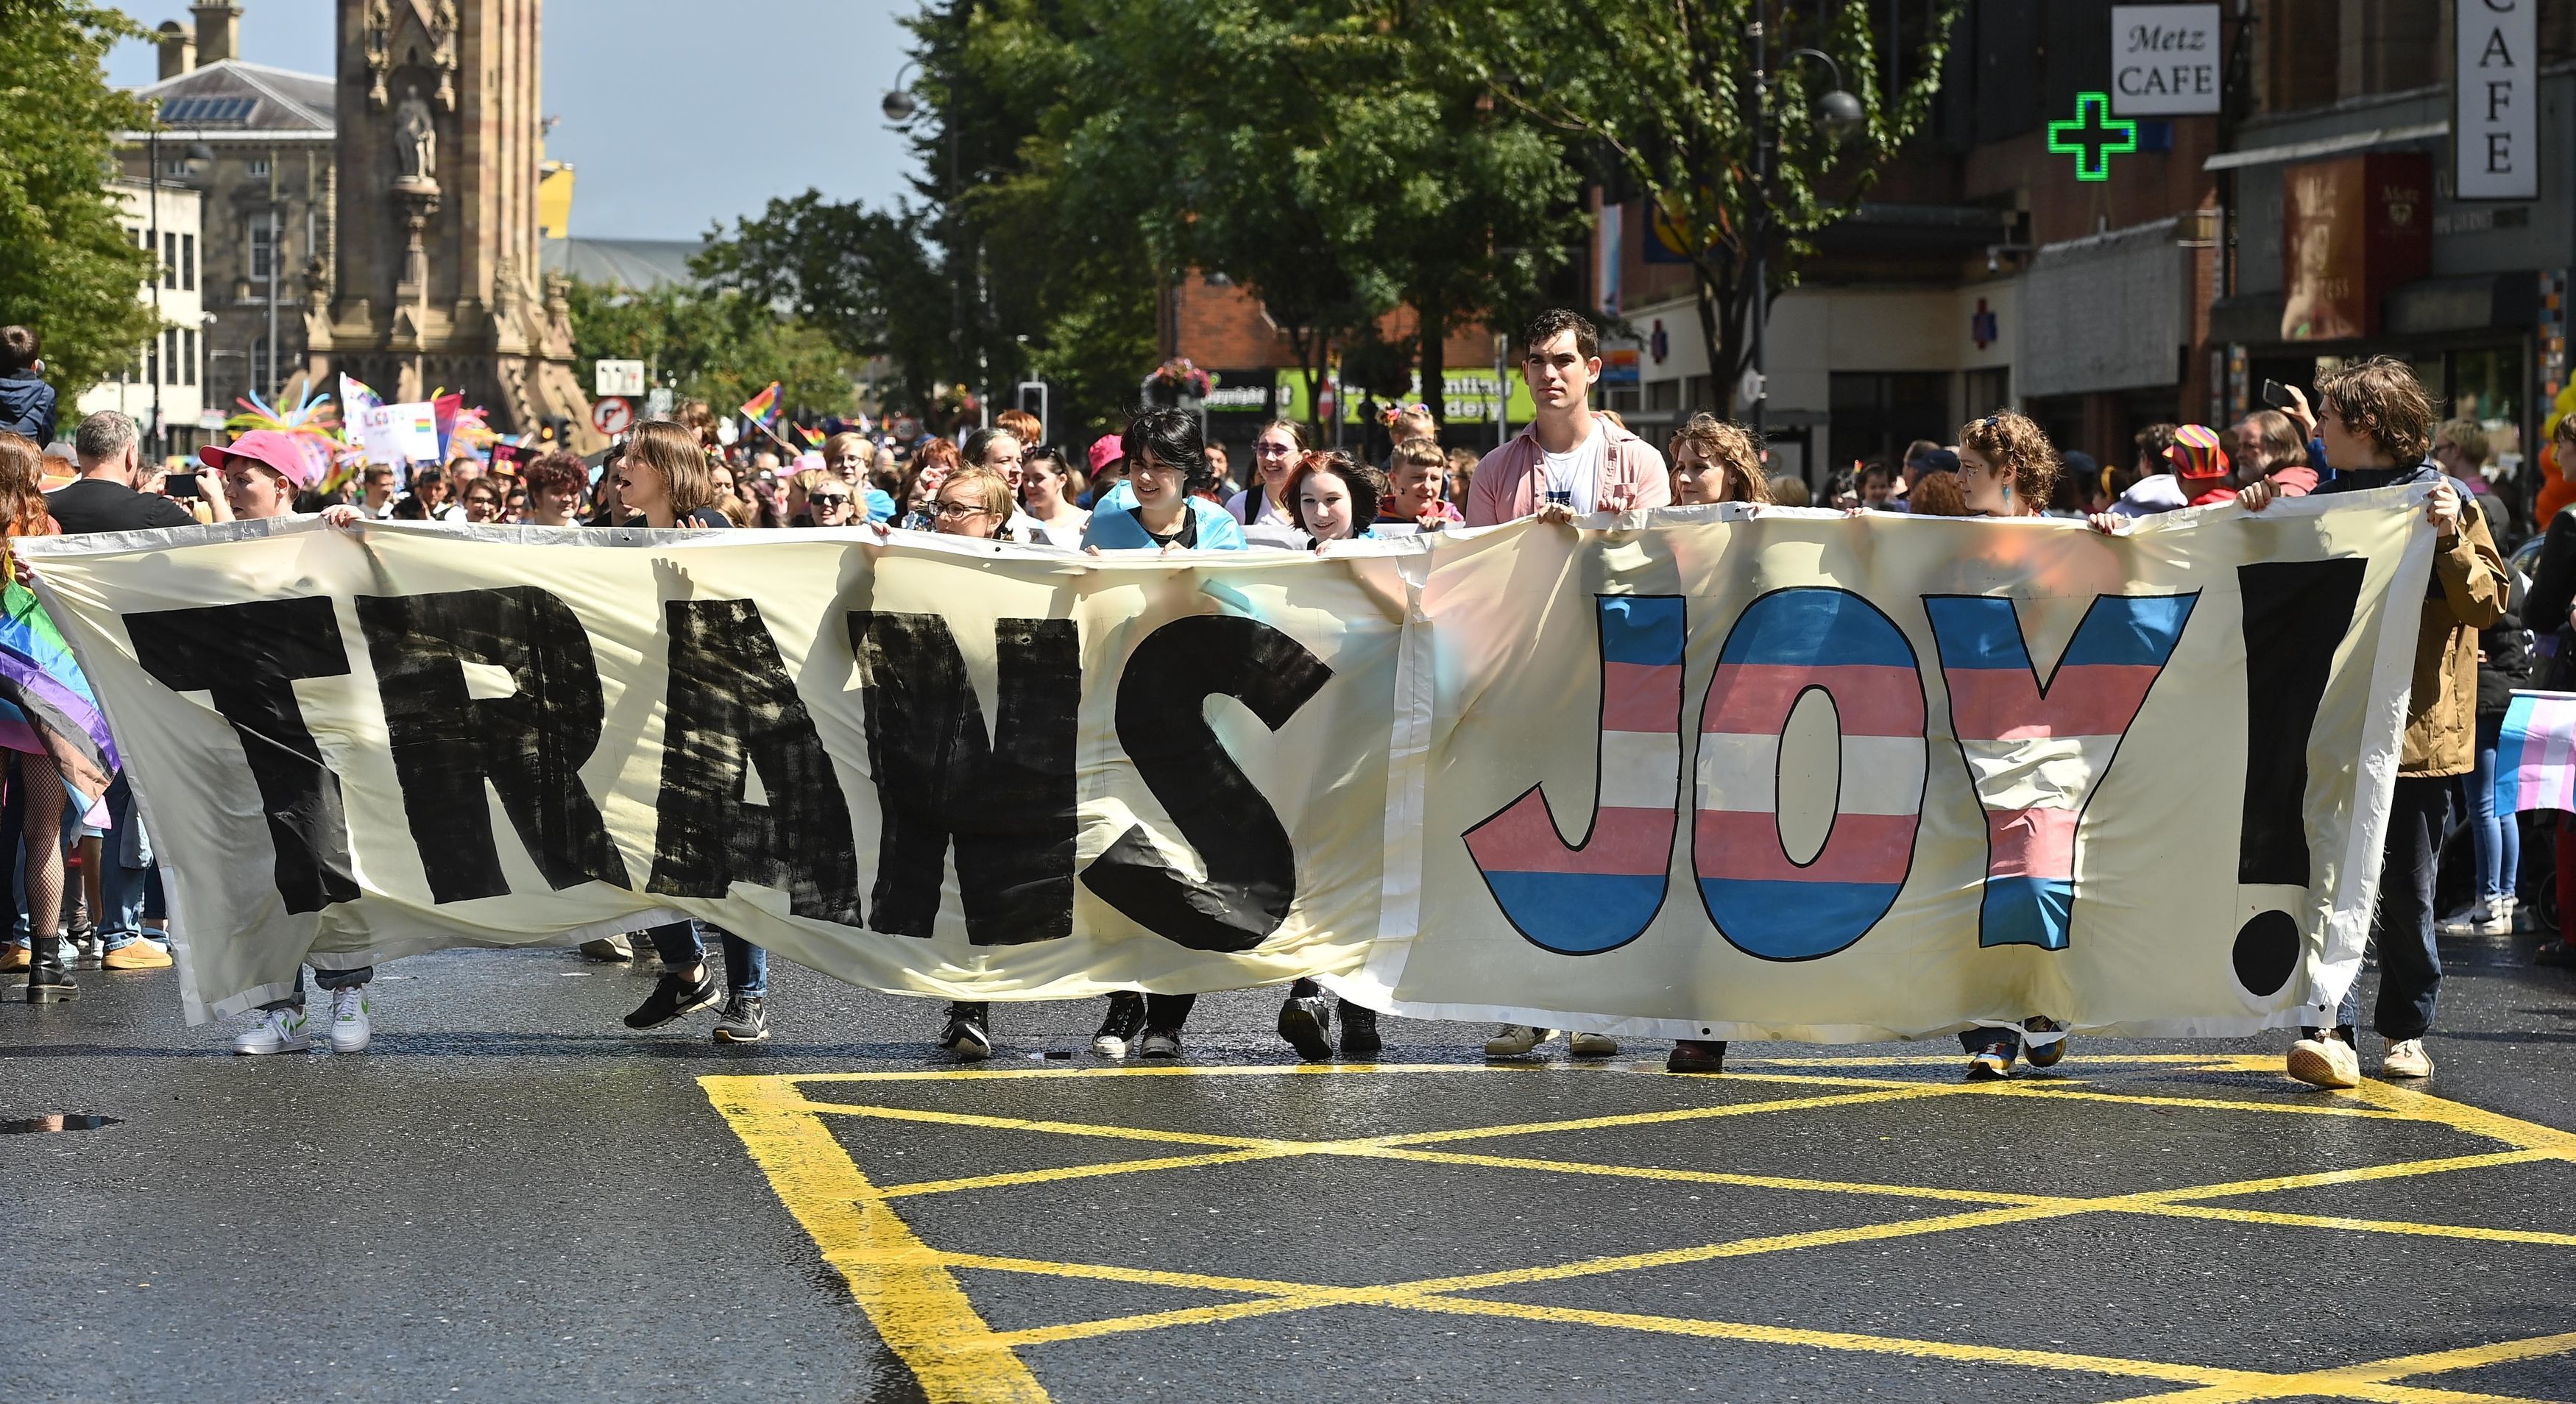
[[1576, 471], [1064, 531], [1267, 512]]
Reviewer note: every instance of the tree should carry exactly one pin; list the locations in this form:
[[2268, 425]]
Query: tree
[[860, 277], [67, 267], [715, 345], [1663, 91]]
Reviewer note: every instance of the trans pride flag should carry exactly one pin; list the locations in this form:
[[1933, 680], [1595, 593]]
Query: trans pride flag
[[2536, 752], [46, 706]]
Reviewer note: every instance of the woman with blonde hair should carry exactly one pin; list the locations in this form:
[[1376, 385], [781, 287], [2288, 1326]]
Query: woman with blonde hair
[[1714, 460], [38, 780]]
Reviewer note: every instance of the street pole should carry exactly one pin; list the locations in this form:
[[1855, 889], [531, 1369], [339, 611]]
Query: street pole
[[152, 361], [276, 278], [1761, 226]]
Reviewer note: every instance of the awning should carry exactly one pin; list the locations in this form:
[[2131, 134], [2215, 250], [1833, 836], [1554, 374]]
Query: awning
[[2324, 146]]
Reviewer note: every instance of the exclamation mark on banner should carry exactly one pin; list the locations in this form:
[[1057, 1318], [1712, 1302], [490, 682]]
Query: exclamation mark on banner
[[2296, 614]]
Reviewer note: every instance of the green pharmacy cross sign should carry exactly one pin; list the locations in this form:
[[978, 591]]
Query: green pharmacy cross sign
[[2093, 137]]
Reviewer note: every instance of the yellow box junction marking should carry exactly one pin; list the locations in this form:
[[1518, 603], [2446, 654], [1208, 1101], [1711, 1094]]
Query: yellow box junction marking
[[910, 1293]]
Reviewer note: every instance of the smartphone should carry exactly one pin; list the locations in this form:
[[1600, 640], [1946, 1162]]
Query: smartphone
[[179, 485], [2278, 396]]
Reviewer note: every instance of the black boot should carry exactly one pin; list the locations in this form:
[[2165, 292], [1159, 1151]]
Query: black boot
[[48, 982], [1305, 1020], [1696, 1055], [1359, 1031]]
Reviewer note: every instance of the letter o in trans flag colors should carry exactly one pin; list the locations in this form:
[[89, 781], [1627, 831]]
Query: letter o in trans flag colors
[[1787, 645]]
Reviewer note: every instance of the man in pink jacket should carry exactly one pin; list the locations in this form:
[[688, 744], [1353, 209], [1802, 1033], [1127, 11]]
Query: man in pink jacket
[[1571, 461]]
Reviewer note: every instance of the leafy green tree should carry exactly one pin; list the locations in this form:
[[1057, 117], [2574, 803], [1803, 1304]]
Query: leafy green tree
[[715, 345], [1664, 93], [67, 267], [860, 277]]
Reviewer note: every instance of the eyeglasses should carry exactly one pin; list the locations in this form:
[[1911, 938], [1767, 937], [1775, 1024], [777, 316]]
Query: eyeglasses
[[960, 509]]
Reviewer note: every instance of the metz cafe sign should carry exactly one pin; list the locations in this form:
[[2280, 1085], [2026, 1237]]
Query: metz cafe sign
[[2165, 60]]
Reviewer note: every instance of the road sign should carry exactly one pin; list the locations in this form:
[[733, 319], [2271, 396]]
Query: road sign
[[617, 378], [612, 415], [657, 403]]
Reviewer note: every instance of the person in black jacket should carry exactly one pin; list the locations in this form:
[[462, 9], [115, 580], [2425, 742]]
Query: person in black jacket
[[2504, 663], [26, 401], [2553, 594]]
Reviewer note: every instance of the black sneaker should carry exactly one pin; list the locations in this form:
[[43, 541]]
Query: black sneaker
[[745, 1020], [673, 995], [964, 1033], [1359, 1031], [1119, 1027], [1694, 1055], [1306, 1022]]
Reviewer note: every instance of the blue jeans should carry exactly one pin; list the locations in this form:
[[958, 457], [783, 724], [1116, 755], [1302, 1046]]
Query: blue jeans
[[2494, 835], [746, 965], [325, 979], [126, 874]]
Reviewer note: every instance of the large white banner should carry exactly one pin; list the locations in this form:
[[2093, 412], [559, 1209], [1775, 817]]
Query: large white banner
[[1700, 774]]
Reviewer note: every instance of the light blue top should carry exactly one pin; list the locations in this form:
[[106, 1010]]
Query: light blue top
[[1115, 528]]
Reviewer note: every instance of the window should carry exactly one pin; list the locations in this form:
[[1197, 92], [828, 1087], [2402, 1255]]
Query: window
[[177, 167], [207, 111], [259, 365], [256, 167], [1875, 414], [169, 260], [188, 262], [188, 355], [152, 361], [262, 249]]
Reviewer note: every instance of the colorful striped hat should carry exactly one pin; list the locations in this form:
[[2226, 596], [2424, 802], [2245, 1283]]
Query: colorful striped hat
[[2196, 454]]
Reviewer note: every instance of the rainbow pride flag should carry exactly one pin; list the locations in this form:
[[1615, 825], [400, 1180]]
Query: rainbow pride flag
[[46, 706], [813, 437], [763, 407]]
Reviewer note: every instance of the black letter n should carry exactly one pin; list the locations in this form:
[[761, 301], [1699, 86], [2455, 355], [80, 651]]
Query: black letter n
[[247, 657], [1008, 805]]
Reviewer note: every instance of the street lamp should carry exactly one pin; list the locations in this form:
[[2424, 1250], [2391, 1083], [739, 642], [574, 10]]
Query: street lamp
[[899, 104], [1840, 111], [197, 154]]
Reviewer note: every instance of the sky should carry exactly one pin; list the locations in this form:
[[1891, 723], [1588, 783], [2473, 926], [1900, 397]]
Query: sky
[[665, 144]]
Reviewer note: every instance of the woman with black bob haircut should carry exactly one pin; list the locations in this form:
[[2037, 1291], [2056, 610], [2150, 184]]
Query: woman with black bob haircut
[[1159, 507]]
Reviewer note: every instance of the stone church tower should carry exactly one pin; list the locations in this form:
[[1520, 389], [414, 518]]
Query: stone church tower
[[434, 282]]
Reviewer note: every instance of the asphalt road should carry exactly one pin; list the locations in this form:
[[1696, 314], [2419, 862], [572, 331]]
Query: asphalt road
[[511, 1198]]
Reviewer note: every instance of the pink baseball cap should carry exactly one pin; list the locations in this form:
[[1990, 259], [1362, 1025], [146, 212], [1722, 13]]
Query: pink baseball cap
[[276, 450], [1107, 449]]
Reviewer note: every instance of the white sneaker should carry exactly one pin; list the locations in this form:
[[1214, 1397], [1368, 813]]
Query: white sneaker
[[278, 1031], [2498, 920], [1591, 1045], [2406, 1058], [350, 1027], [2324, 1060], [1516, 1041]]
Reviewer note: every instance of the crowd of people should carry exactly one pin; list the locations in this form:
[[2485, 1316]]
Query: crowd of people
[[1160, 486]]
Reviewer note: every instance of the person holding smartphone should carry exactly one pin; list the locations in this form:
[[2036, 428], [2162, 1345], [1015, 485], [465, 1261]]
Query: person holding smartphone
[[103, 497]]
